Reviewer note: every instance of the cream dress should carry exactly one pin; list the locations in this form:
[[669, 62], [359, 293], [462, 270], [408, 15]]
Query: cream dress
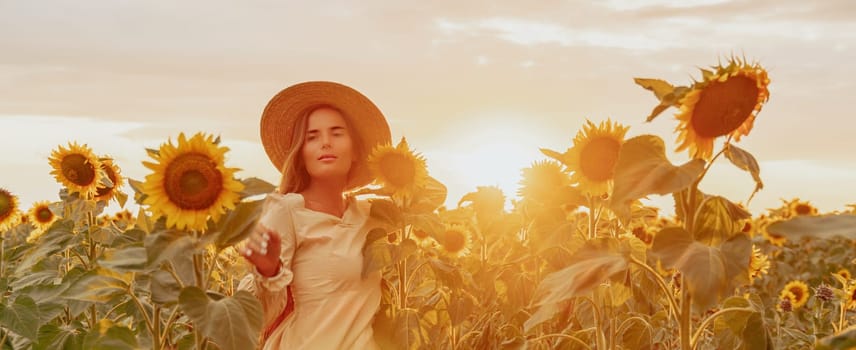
[[322, 262]]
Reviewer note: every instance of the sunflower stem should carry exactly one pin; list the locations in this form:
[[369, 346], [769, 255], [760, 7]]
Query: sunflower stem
[[684, 316], [2, 260], [592, 222], [93, 312], [691, 207], [157, 330]]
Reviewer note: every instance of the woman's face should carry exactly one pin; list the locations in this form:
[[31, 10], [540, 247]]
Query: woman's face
[[327, 148]]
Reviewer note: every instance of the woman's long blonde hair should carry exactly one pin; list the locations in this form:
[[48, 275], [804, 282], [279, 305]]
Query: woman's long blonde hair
[[295, 178]]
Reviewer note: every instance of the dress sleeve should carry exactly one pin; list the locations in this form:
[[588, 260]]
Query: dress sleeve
[[272, 291]]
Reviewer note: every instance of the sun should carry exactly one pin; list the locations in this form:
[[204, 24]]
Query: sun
[[190, 182]]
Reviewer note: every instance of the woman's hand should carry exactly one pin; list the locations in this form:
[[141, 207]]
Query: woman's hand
[[262, 248]]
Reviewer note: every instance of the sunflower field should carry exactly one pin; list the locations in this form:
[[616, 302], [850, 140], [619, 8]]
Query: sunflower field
[[577, 262]]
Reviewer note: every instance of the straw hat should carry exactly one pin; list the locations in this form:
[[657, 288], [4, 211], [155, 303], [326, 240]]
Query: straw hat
[[286, 107]]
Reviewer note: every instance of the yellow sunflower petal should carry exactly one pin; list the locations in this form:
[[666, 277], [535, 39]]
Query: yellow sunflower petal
[[190, 183], [759, 264], [850, 297], [726, 102]]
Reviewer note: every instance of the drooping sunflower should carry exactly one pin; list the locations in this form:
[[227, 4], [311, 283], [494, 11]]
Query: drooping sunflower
[[759, 264], [799, 290], [41, 215], [9, 211], [800, 208], [398, 169], [456, 240], [593, 157], [77, 168], [542, 181], [190, 182], [725, 102], [112, 171]]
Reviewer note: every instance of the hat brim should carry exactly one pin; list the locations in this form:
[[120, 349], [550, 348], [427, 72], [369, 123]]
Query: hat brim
[[286, 107]]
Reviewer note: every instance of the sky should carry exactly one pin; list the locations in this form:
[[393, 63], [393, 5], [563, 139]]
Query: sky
[[476, 87]]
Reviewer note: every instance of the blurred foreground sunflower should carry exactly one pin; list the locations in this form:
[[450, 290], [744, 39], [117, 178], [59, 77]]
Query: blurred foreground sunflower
[[593, 157], [190, 182], [799, 290], [398, 169], [9, 211], [77, 168], [759, 264], [41, 215], [725, 102], [456, 240], [112, 171]]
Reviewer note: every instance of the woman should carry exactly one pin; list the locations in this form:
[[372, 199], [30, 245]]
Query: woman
[[307, 247]]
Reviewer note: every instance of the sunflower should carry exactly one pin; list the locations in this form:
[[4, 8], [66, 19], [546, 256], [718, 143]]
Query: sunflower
[[850, 297], [77, 168], [542, 181], [644, 233], [9, 212], [123, 219], [786, 301], [800, 208], [113, 173], [398, 169], [421, 237], [774, 238], [190, 182], [726, 102], [759, 264], [844, 273], [593, 157], [799, 290], [747, 226], [487, 201], [456, 240], [41, 215]]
